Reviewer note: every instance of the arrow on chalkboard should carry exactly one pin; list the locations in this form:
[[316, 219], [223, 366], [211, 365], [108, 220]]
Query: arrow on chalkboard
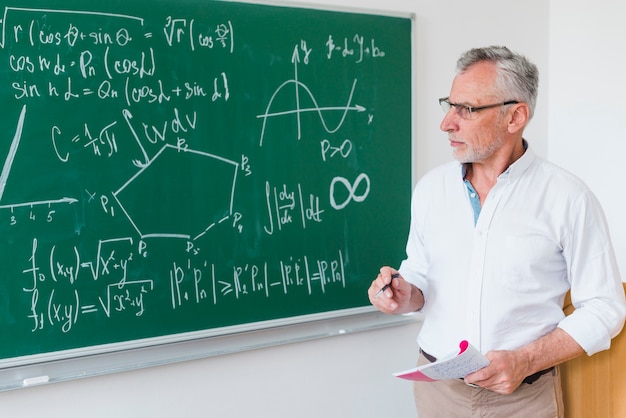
[[8, 163], [356, 107], [63, 200]]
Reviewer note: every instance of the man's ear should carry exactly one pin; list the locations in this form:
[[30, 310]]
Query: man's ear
[[519, 117]]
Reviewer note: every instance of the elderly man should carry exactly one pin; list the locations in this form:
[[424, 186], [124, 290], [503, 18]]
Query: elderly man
[[497, 238]]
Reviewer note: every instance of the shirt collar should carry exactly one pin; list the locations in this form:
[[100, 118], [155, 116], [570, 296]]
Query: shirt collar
[[518, 167]]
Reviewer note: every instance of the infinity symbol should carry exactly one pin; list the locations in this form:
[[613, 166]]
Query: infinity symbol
[[351, 190]]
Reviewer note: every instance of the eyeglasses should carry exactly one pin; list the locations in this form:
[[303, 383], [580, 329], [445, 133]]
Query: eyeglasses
[[468, 112]]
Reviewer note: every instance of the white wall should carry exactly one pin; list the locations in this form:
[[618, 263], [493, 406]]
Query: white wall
[[344, 376], [579, 42], [588, 102]]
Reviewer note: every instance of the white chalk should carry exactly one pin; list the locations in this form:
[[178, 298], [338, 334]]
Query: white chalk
[[32, 381]]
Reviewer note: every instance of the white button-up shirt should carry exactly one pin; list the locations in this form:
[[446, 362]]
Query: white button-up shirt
[[501, 283]]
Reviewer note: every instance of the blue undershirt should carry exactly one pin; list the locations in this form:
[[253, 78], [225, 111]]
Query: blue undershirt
[[474, 199]]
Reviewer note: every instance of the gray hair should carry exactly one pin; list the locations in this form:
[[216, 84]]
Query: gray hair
[[517, 77]]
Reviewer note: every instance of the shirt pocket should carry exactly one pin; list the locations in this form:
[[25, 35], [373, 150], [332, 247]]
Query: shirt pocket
[[527, 261]]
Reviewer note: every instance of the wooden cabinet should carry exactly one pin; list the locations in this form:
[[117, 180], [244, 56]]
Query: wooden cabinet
[[595, 387]]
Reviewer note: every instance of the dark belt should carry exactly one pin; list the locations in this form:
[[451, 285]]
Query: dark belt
[[528, 379]]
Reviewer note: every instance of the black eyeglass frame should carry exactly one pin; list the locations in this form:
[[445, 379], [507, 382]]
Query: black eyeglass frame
[[471, 109]]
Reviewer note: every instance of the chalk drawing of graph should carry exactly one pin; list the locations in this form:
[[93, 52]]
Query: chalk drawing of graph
[[298, 85]]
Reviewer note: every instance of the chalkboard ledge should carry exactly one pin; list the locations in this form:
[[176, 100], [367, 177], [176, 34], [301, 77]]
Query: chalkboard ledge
[[123, 358]]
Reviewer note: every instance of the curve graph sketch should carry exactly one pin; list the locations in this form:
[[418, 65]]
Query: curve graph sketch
[[349, 107]]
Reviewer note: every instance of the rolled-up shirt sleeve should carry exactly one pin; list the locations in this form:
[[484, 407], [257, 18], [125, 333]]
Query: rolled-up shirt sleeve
[[596, 288]]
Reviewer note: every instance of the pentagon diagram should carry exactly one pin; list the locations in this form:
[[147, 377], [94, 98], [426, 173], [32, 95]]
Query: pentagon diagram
[[180, 193]]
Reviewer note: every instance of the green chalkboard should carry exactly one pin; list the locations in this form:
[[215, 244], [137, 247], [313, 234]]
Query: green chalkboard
[[175, 166]]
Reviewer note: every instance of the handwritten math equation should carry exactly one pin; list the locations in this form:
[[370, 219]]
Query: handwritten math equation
[[51, 271], [138, 94]]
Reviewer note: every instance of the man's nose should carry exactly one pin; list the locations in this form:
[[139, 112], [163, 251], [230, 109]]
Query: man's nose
[[449, 121]]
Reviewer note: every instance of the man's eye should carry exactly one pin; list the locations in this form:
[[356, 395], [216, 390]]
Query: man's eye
[[463, 111]]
